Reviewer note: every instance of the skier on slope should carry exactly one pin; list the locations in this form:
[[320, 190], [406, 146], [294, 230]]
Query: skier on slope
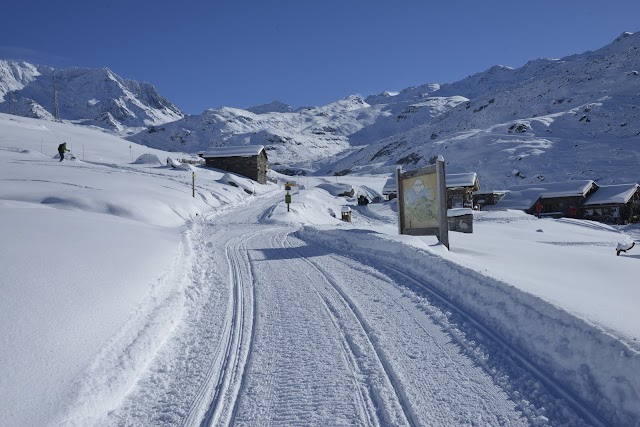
[[62, 148]]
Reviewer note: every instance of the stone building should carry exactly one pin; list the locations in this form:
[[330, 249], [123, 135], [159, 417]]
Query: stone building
[[246, 160]]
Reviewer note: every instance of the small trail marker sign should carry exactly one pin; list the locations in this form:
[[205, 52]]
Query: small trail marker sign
[[287, 197]]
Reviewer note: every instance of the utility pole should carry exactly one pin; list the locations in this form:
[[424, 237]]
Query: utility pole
[[56, 113], [13, 104]]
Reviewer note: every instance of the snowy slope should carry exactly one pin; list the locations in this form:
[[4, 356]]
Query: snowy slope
[[307, 135], [93, 97], [92, 260]]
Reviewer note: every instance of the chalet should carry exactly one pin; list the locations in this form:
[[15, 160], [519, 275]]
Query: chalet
[[487, 198], [615, 204], [557, 198], [460, 188], [246, 160], [389, 191]]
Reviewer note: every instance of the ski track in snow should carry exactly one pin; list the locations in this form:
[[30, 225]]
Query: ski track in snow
[[277, 331]]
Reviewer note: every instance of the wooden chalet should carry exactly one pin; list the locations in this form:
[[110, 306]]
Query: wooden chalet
[[460, 188], [614, 204], [563, 199], [246, 160], [558, 199]]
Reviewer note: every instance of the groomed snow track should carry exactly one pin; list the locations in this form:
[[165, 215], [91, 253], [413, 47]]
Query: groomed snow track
[[302, 327]]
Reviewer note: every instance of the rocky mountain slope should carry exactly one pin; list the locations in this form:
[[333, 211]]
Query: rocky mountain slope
[[299, 137], [576, 117], [94, 97], [551, 119]]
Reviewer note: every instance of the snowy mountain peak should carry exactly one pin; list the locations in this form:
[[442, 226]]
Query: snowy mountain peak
[[624, 35], [272, 107], [15, 75], [90, 96], [351, 102]]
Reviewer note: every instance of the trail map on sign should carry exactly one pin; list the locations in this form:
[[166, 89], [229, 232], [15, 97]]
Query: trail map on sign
[[421, 202]]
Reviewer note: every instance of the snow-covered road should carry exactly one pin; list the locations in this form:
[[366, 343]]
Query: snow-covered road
[[277, 331]]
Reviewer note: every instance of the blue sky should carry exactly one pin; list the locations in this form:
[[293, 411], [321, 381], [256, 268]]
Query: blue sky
[[206, 54]]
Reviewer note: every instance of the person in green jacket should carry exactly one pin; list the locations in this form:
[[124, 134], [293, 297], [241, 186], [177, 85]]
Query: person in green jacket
[[62, 148]]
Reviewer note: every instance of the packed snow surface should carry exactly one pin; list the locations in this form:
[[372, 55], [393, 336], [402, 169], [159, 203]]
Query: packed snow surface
[[128, 301]]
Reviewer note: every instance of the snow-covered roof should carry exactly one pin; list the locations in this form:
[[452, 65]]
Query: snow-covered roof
[[523, 197], [517, 199], [612, 194], [390, 186], [236, 151], [557, 189], [467, 179]]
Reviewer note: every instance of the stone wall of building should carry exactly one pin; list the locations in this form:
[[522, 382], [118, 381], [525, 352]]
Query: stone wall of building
[[254, 167]]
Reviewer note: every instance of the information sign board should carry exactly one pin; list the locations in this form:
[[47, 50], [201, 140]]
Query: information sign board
[[422, 203]]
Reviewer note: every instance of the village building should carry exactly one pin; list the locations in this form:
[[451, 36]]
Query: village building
[[558, 199], [390, 191], [614, 204], [460, 188], [246, 160], [487, 198]]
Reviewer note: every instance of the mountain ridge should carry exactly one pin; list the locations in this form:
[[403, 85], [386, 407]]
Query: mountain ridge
[[550, 119]]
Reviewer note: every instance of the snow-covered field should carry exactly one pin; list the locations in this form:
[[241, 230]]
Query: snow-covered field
[[126, 301]]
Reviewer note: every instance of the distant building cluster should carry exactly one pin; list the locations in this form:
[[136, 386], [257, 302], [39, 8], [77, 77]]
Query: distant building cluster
[[612, 204]]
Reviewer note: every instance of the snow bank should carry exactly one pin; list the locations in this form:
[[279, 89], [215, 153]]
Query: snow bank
[[147, 159], [249, 186], [307, 207], [337, 189], [180, 166], [69, 280], [93, 267]]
